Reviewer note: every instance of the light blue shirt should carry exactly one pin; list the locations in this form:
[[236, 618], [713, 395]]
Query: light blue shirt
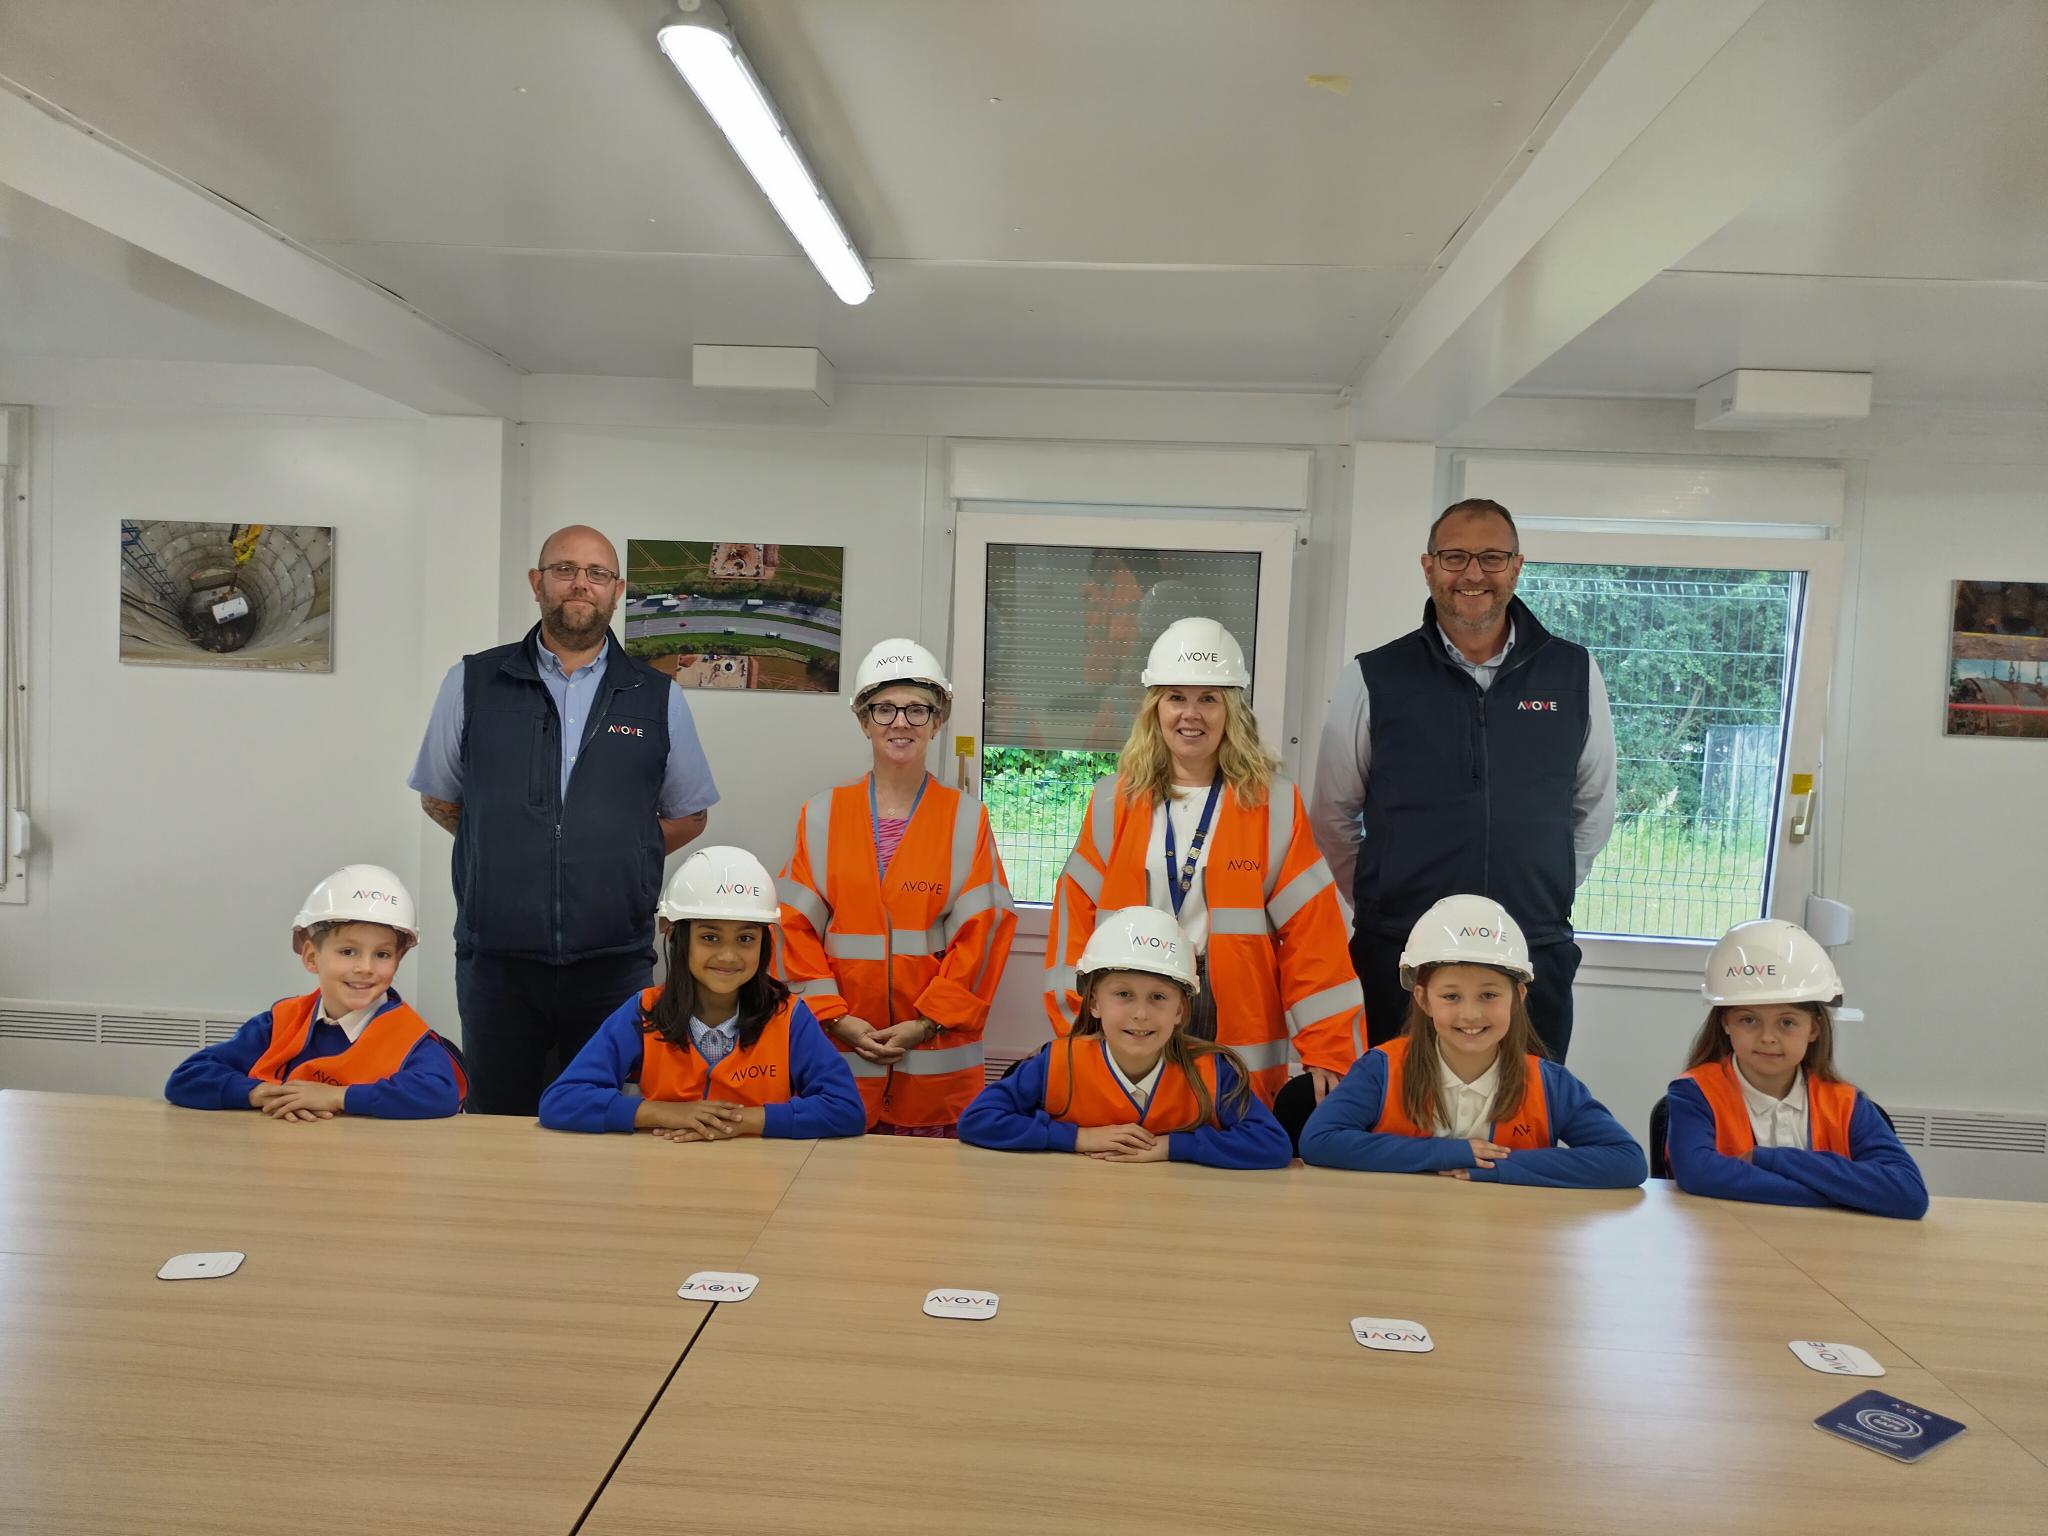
[[715, 1042], [686, 786]]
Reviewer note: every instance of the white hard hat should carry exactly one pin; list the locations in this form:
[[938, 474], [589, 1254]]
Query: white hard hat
[[1141, 939], [1196, 653], [1769, 961], [899, 661], [361, 893], [1466, 930], [723, 884]]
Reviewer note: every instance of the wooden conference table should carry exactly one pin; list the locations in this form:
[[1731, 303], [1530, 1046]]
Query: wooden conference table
[[459, 1327]]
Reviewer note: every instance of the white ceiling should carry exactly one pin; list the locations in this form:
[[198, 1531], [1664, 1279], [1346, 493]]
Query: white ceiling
[[1155, 193], [532, 174], [1916, 249]]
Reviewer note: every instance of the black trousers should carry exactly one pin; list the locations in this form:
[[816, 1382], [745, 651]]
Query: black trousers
[[525, 1020], [1378, 962]]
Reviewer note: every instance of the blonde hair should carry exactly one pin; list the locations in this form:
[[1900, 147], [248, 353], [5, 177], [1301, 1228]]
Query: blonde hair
[[1183, 1050], [1144, 768], [1712, 1044], [1422, 1091]]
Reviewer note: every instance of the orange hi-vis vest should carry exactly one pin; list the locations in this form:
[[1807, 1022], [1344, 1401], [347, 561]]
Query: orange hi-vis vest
[[1828, 1108], [928, 940], [752, 1074], [1081, 1088], [1529, 1131], [1279, 959], [378, 1052]]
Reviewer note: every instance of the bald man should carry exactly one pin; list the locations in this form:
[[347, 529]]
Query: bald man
[[568, 771]]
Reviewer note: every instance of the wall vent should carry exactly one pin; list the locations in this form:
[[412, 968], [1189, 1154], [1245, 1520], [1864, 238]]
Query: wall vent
[[79, 1024], [1971, 1131]]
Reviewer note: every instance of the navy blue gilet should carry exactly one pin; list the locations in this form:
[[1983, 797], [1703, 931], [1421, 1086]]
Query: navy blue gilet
[[537, 875], [1470, 791]]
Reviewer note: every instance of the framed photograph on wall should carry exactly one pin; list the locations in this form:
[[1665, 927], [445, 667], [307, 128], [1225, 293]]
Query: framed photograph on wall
[[1998, 660], [737, 616], [255, 596]]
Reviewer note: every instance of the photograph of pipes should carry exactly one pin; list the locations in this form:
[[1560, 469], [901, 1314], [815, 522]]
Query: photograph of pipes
[[247, 595], [1998, 660]]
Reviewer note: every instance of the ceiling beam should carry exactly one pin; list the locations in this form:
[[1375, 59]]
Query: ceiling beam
[[1697, 110], [348, 327]]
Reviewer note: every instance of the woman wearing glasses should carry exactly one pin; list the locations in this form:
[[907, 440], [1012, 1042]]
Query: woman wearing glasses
[[1197, 822], [896, 915]]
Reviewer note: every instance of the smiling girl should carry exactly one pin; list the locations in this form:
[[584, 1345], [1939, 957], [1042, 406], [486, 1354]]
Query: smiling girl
[[1760, 1113], [1464, 1091], [722, 1050], [1129, 1084]]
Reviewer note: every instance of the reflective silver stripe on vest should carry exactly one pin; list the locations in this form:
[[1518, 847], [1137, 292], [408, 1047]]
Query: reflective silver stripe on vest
[[1059, 981], [856, 946], [818, 839], [1298, 893], [1264, 1056], [1004, 902], [1341, 998], [815, 987], [1237, 920], [1102, 815], [912, 941], [950, 1058], [1085, 875], [1279, 832], [861, 1066], [975, 902], [966, 832], [806, 901]]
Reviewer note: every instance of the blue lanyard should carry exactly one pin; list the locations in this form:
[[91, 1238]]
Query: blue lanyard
[[875, 816], [1182, 880]]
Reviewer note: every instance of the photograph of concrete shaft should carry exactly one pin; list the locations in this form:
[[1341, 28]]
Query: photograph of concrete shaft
[[255, 595]]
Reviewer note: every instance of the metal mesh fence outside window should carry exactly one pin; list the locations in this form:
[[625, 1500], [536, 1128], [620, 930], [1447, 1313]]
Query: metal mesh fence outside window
[[1698, 666]]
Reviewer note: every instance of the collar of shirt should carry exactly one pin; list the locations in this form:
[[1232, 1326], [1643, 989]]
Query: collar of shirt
[[726, 1035], [1142, 1089], [1474, 666], [1470, 1102], [549, 662], [352, 1024], [1776, 1122]]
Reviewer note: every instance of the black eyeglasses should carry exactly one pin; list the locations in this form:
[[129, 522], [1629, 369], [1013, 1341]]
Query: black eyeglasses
[[1492, 561], [913, 714], [567, 571]]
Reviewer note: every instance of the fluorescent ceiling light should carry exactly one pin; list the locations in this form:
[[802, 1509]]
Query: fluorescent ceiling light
[[699, 42]]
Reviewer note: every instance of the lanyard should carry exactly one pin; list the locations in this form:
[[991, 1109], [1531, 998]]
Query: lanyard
[[1182, 880], [875, 816]]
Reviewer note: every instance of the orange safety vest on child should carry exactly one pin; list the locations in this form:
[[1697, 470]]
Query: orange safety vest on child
[[378, 1052], [1828, 1108], [1529, 1132], [1081, 1088], [928, 940], [1279, 960], [754, 1074]]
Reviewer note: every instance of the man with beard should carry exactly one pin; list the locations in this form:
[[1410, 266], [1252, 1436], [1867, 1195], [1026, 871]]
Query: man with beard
[[1472, 756], [567, 770]]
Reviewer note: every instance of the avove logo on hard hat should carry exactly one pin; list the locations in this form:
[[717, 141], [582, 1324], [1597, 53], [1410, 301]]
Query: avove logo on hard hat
[[1752, 970], [1478, 931], [739, 888], [376, 896], [1200, 656], [1168, 947], [893, 661]]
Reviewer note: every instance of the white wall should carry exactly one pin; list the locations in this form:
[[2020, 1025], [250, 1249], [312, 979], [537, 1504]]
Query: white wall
[[181, 814], [212, 800]]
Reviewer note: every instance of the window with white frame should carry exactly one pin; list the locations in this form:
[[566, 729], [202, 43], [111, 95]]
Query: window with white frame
[[1707, 594], [1055, 612]]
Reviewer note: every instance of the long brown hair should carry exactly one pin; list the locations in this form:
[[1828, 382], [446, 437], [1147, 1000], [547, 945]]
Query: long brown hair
[[1144, 768], [1422, 1094], [1183, 1051], [1712, 1044], [761, 995]]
